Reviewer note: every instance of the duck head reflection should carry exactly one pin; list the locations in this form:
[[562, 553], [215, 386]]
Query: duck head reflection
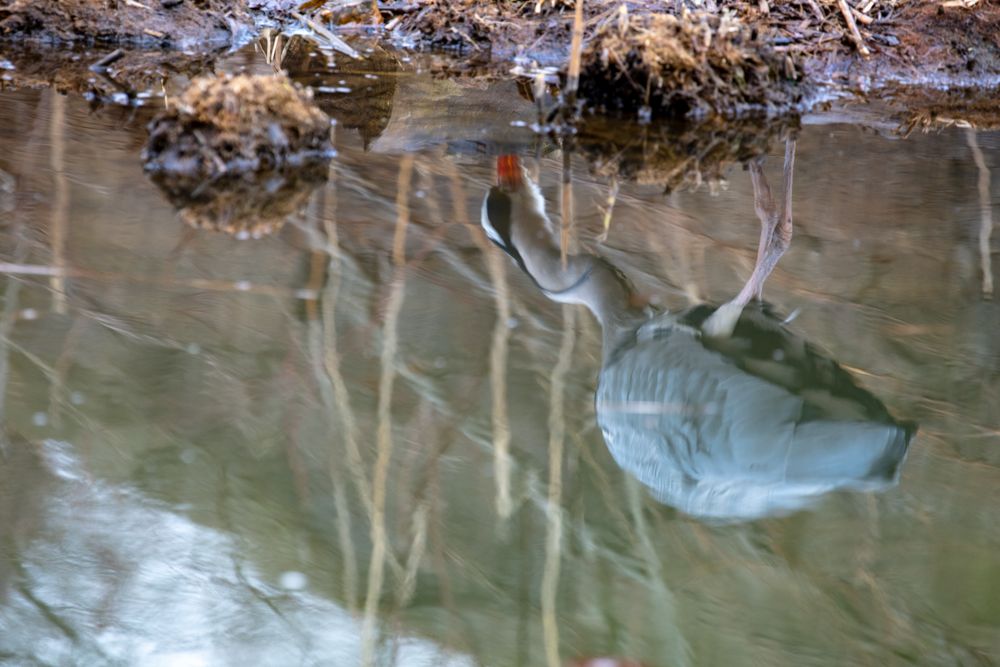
[[722, 412]]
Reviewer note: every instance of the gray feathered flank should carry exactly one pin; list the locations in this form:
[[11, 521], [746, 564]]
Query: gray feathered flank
[[715, 440]]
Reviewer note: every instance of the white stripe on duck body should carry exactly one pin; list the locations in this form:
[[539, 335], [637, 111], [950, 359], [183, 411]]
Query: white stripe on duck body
[[722, 412]]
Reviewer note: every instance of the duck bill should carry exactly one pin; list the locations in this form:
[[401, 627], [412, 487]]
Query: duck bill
[[509, 173]]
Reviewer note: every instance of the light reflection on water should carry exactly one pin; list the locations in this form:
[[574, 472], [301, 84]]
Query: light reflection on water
[[193, 419]]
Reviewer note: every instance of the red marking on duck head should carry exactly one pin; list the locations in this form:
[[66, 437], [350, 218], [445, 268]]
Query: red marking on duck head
[[509, 174]]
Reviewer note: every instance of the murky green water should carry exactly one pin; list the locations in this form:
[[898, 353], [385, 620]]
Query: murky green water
[[291, 450]]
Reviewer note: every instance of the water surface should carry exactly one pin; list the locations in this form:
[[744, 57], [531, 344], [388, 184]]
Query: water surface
[[193, 420]]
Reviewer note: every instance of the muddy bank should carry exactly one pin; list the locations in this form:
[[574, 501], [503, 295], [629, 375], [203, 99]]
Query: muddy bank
[[725, 57], [128, 75], [175, 23], [737, 57]]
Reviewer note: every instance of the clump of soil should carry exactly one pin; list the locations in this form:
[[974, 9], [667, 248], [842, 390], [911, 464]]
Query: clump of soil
[[676, 156], [179, 23], [242, 124], [235, 152], [688, 65]]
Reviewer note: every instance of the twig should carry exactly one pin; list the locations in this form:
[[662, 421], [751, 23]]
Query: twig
[[498, 347], [341, 402], [845, 10], [817, 11], [409, 581], [498, 382], [566, 204], [107, 61], [610, 202], [862, 17], [575, 49]]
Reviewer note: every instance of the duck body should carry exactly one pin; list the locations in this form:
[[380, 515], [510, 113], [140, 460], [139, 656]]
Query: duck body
[[721, 412], [756, 424]]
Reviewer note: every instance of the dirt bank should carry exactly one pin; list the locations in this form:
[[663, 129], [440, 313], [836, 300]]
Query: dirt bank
[[664, 65], [747, 55], [645, 57], [199, 24]]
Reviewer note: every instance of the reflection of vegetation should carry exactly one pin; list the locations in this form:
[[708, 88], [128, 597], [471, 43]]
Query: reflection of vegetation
[[985, 213], [359, 94], [676, 156]]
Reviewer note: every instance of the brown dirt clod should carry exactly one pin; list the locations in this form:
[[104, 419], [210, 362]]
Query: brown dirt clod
[[236, 152]]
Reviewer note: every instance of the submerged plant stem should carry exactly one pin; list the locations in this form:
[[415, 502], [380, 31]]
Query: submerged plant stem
[[390, 342], [499, 345], [553, 508], [60, 205], [985, 212]]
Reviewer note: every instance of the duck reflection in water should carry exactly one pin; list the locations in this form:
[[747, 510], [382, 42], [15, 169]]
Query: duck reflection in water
[[722, 412]]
